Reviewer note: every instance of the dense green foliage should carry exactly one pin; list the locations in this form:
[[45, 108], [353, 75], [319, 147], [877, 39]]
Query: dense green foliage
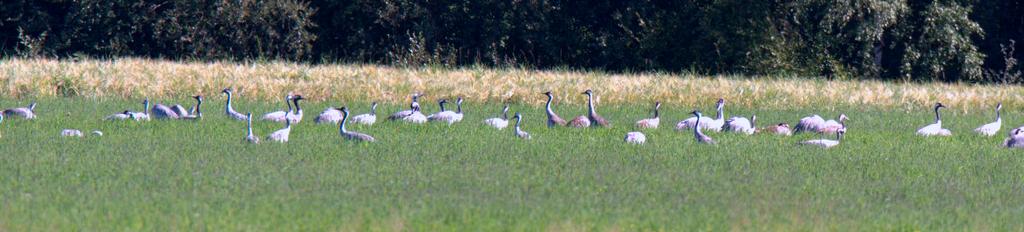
[[183, 175], [900, 39]]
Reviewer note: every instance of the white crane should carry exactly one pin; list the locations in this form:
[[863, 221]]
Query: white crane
[[416, 116], [499, 122], [651, 123], [636, 137], [826, 143], [741, 125], [250, 137], [994, 127], [144, 114], [413, 107], [282, 134], [368, 118], [296, 115], [706, 123], [935, 129], [280, 115], [519, 131]]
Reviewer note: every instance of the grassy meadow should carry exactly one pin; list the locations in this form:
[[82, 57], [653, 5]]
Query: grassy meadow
[[185, 175]]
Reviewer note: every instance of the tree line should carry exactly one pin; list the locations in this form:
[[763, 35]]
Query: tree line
[[945, 40]]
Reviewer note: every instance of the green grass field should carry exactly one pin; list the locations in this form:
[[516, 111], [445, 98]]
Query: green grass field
[[183, 175]]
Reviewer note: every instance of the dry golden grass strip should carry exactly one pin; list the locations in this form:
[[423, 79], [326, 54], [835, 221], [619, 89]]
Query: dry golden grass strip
[[131, 77]]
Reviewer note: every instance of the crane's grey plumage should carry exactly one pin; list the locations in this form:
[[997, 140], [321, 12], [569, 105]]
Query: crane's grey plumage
[[741, 125], [832, 126], [296, 115], [230, 111], [28, 112], [71, 133], [779, 129], [519, 131], [1015, 139], [636, 137], [713, 124], [329, 115], [651, 123], [197, 110], [595, 119], [416, 117], [457, 117], [809, 124], [161, 111], [368, 118], [826, 143], [553, 119], [994, 127], [144, 114], [935, 129], [443, 115], [280, 115], [282, 134], [499, 122], [413, 107], [697, 134], [351, 135], [250, 137], [120, 116]]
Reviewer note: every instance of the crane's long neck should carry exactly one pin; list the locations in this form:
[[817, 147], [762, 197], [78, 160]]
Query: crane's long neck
[[518, 121], [373, 109], [297, 107], [344, 117], [145, 108], [656, 111], [458, 108], [998, 116], [696, 127], [287, 101], [199, 108], [547, 106], [227, 107], [590, 104], [721, 112], [938, 119], [442, 106], [504, 113], [249, 125]]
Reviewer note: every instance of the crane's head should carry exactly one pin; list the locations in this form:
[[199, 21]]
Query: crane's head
[[226, 91], [588, 92]]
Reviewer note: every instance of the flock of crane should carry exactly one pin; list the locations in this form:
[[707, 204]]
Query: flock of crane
[[698, 123]]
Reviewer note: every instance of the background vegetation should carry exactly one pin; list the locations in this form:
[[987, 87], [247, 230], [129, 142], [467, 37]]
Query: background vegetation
[[948, 40]]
